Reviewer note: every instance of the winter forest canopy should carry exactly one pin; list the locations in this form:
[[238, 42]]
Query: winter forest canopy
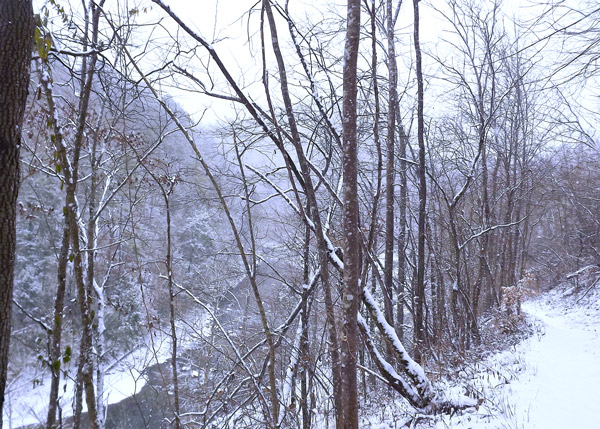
[[287, 213]]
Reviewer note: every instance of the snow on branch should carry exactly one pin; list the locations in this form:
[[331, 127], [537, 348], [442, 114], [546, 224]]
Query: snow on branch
[[412, 370], [389, 374], [489, 229], [417, 390]]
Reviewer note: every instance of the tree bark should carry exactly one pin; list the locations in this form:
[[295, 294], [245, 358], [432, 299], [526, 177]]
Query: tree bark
[[55, 342], [16, 42], [305, 404], [169, 266], [419, 326], [402, 236], [388, 271], [352, 263]]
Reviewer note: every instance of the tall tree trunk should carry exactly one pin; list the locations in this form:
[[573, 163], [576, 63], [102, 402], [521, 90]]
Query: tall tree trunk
[[435, 287], [482, 282], [16, 42], [388, 272], [352, 263], [305, 404], [402, 236], [55, 341], [85, 300], [84, 297], [78, 394], [373, 230], [419, 325], [172, 314], [91, 241]]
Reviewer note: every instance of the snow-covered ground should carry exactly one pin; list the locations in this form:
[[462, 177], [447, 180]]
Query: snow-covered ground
[[26, 398], [560, 388], [551, 380]]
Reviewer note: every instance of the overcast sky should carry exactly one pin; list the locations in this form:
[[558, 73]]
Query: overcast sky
[[233, 29]]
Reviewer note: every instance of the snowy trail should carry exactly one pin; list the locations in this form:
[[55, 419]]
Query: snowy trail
[[561, 384], [549, 381]]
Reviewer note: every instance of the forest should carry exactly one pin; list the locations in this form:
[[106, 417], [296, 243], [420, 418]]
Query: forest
[[286, 213]]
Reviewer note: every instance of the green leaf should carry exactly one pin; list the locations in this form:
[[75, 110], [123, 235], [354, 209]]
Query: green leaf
[[67, 355]]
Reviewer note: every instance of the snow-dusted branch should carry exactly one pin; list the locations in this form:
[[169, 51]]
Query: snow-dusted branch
[[489, 229]]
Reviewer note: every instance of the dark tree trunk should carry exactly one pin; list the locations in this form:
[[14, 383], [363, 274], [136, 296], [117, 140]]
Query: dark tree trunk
[[388, 272], [402, 237], [419, 325], [172, 295], [16, 42], [352, 264], [483, 281], [55, 342], [305, 404]]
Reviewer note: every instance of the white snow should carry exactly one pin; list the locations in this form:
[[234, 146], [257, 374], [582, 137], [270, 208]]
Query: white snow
[[550, 381], [27, 404], [26, 398], [561, 389], [415, 371]]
